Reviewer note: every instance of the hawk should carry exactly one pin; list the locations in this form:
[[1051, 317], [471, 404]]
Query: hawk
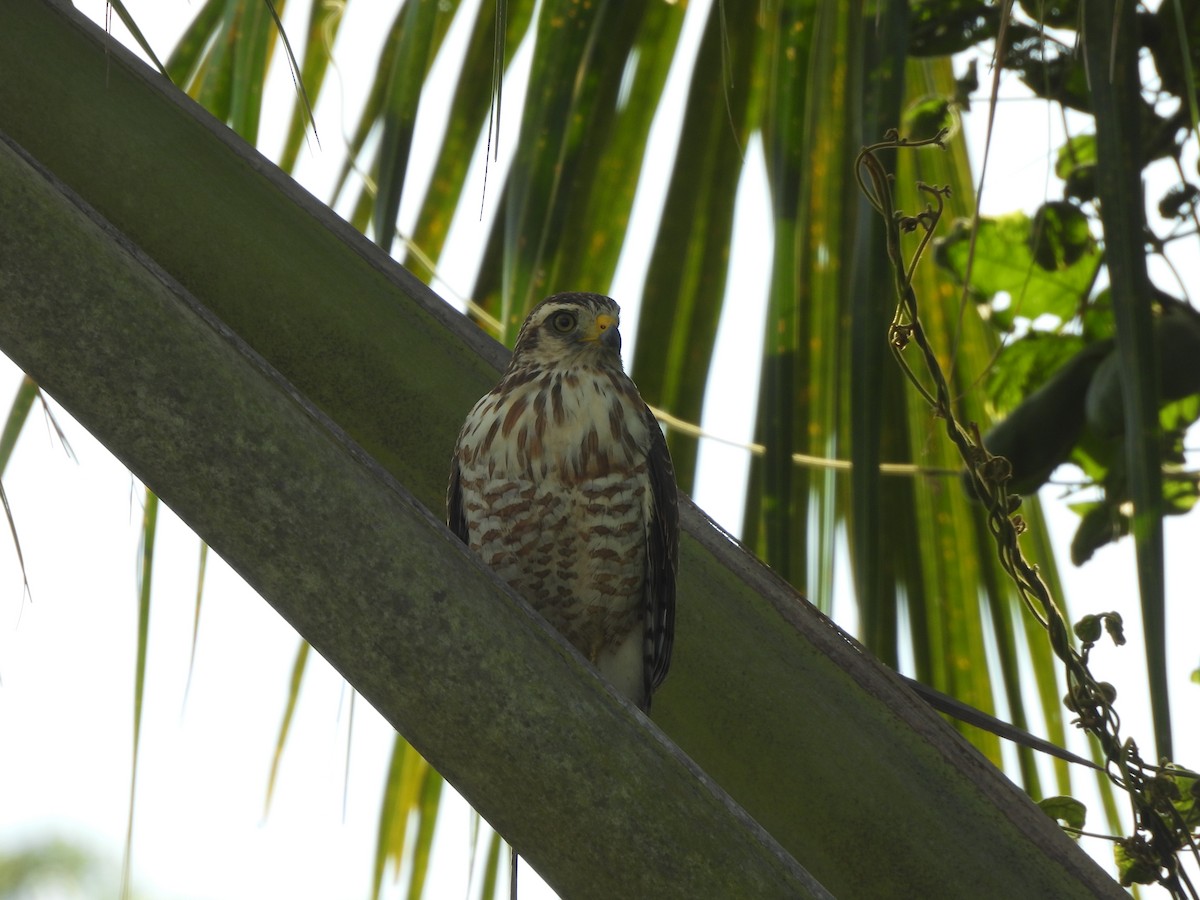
[[562, 483]]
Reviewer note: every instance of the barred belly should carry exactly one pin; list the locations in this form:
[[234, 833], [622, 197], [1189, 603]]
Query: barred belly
[[576, 551]]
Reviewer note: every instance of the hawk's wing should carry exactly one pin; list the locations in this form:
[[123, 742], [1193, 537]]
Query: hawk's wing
[[662, 557], [456, 516]]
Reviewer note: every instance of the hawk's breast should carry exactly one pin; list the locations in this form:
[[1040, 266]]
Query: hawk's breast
[[557, 498]]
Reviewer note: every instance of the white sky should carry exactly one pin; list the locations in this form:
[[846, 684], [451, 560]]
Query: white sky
[[67, 658]]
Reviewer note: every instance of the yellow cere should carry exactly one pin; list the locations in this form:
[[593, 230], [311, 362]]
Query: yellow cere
[[603, 323]]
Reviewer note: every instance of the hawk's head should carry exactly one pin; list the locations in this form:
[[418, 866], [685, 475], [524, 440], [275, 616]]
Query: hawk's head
[[568, 330]]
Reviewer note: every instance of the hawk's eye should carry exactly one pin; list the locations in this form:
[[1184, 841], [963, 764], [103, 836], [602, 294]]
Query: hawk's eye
[[563, 322]]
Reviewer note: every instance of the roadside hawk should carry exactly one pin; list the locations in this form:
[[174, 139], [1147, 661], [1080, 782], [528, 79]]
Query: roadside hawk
[[562, 483]]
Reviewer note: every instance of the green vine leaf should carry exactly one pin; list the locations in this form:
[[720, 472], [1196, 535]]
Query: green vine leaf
[[1067, 811], [1005, 263]]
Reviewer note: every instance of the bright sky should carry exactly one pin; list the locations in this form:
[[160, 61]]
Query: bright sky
[[67, 657]]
